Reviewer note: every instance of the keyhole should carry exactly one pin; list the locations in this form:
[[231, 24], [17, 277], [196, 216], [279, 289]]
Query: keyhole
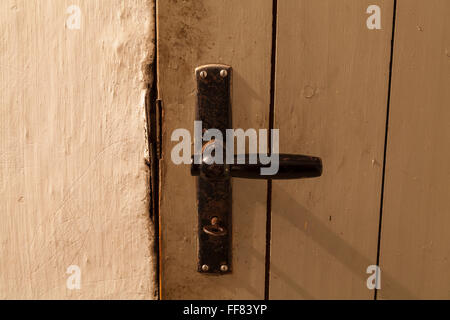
[[214, 229], [215, 224]]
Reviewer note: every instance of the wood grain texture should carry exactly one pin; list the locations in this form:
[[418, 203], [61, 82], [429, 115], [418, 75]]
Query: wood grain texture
[[73, 181], [331, 99], [190, 34], [415, 234]]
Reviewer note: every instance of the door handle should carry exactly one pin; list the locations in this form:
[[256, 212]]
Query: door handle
[[291, 166], [214, 179]]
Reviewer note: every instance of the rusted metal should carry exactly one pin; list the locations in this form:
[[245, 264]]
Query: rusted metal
[[214, 193]]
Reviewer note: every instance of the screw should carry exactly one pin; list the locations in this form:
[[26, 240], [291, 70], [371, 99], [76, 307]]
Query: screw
[[205, 267], [223, 73], [203, 74], [224, 268]]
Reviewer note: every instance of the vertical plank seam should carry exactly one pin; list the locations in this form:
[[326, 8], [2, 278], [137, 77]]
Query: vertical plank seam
[[386, 138], [271, 126]]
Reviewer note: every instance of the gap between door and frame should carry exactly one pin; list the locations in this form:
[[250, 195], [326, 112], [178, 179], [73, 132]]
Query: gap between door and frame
[[153, 111]]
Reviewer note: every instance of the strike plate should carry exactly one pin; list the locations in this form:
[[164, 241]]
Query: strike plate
[[214, 195]]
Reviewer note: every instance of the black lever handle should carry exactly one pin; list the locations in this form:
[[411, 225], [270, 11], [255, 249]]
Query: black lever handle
[[290, 166]]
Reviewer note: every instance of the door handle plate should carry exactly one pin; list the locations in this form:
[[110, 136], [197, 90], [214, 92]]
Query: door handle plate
[[214, 195]]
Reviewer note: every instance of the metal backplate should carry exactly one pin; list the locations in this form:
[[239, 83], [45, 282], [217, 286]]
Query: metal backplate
[[214, 195]]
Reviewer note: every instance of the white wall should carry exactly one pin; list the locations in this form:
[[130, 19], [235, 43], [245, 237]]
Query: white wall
[[73, 181]]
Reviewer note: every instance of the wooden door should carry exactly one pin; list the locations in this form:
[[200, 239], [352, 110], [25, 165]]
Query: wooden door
[[314, 70]]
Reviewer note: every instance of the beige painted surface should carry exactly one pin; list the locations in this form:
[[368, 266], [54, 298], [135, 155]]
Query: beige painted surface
[[331, 97], [73, 181], [415, 235], [190, 34]]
